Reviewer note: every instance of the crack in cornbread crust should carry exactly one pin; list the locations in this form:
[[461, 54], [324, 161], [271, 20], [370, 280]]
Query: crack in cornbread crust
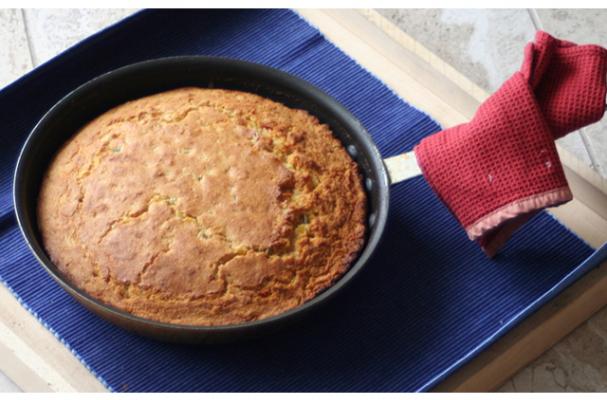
[[203, 206]]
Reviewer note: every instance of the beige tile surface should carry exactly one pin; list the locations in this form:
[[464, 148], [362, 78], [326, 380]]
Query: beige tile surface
[[14, 54], [574, 143], [52, 31], [583, 26], [576, 364], [578, 25], [485, 45]]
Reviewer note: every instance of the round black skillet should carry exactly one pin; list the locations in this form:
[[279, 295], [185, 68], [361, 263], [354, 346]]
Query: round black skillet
[[148, 77]]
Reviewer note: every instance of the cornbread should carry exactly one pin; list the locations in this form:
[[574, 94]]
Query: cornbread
[[203, 207]]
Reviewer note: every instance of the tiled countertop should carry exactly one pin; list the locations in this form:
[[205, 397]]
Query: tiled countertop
[[485, 45]]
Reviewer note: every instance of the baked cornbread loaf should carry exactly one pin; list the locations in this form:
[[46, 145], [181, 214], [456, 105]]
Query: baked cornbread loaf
[[203, 207]]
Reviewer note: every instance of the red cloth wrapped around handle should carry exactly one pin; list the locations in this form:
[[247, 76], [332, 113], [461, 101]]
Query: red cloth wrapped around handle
[[502, 167]]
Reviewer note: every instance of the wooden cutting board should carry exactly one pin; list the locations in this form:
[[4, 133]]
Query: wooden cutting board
[[36, 360]]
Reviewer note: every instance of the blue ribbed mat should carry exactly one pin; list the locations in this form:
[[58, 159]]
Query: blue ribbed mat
[[428, 302]]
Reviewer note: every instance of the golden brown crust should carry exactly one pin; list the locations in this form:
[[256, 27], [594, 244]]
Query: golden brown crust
[[203, 206]]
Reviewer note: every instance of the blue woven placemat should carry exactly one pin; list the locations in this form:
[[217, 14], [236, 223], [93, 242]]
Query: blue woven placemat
[[429, 301]]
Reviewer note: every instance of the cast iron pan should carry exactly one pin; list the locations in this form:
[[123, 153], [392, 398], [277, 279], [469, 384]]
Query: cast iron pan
[[133, 81]]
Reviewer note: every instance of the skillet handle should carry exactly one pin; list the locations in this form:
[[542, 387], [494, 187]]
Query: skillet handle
[[402, 167]]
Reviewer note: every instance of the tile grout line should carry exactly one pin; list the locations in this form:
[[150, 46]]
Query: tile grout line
[[537, 24], [535, 19], [28, 37], [593, 161]]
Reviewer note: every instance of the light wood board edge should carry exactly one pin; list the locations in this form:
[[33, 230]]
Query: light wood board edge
[[374, 42], [33, 358]]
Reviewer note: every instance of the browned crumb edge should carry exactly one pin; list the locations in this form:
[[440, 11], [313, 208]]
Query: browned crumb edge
[[204, 207]]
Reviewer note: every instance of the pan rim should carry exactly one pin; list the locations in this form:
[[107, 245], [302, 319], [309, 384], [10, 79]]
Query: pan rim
[[37, 249]]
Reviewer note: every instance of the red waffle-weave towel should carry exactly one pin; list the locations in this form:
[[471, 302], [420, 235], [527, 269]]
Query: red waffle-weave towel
[[501, 168]]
